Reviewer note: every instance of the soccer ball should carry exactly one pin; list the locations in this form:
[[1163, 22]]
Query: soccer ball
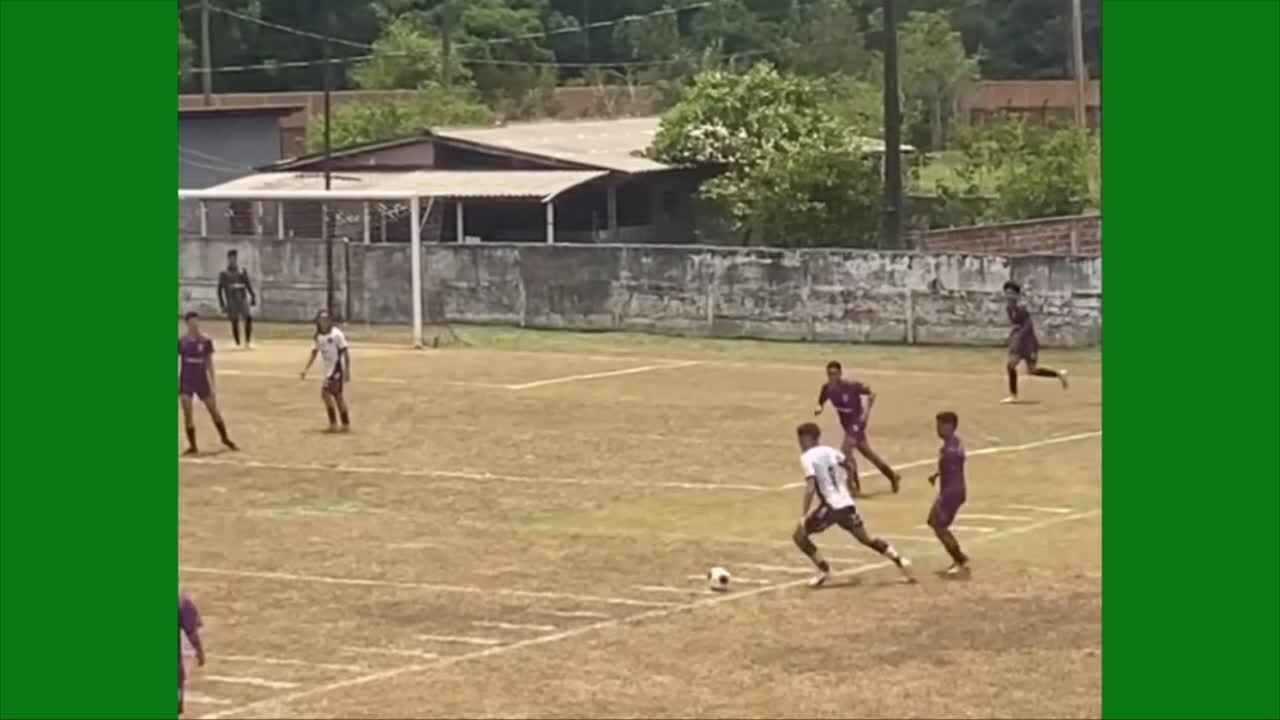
[[718, 579]]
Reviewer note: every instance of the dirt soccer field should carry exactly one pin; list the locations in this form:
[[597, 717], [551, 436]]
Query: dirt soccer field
[[520, 528]]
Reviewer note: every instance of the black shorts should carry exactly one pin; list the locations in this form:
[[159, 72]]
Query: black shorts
[[824, 517], [333, 384]]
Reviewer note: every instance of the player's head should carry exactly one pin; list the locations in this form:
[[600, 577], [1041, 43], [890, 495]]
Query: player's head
[[947, 423], [233, 257], [1012, 290], [193, 322], [808, 434], [834, 371], [324, 322]]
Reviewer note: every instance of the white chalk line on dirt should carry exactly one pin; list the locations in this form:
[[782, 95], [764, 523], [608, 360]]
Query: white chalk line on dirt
[[467, 475], [572, 613], [1040, 508], [606, 624], [599, 375], [461, 639], [262, 660], [428, 587], [254, 681], [513, 626], [360, 650], [196, 698], [994, 450], [295, 376]]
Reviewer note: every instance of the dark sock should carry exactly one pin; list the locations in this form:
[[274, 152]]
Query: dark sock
[[346, 419], [1013, 381], [191, 436], [235, 330], [222, 430], [333, 416], [248, 329], [823, 565], [1044, 372]]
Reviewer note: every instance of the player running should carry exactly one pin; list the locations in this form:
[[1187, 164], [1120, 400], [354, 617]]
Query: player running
[[235, 297], [189, 625], [331, 346], [195, 378], [1023, 344], [827, 475], [846, 397], [951, 492]]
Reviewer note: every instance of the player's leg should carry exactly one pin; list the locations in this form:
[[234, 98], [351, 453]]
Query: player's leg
[[864, 448], [1035, 369], [853, 524], [211, 404], [189, 422], [340, 400], [330, 407], [233, 314], [941, 515], [248, 328], [1011, 369], [815, 523], [847, 448]]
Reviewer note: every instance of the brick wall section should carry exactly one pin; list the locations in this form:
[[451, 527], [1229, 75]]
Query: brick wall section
[[1073, 235]]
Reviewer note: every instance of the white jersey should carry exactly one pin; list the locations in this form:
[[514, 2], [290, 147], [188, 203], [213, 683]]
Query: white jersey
[[330, 345], [823, 465]]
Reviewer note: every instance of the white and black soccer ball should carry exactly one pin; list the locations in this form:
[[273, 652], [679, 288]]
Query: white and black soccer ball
[[718, 579]]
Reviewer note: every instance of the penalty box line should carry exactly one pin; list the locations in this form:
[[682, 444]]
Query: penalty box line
[[629, 620]]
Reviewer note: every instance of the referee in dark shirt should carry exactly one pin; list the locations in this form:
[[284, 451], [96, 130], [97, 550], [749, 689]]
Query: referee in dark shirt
[[235, 297]]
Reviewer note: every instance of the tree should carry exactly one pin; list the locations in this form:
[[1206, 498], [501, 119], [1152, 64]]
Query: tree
[[823, 39], [362, 122], [795, 174], [406, 56], [186, 53], [1033, 170]]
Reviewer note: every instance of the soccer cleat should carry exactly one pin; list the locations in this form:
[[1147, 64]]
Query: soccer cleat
[[189, 452], [226, 442], [895, 482], [957, 571], [1012, 399], [1062, 378], [904, 565], [819, 580]]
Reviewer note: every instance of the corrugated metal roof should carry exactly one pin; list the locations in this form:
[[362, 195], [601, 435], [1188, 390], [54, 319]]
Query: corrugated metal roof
[[523, 184], [613, 144]]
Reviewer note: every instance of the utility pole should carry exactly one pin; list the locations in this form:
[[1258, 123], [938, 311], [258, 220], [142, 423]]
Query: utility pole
[[1081, 70], [586, 29], [892, 230], [446, 44], [325, 231], [206, 54]]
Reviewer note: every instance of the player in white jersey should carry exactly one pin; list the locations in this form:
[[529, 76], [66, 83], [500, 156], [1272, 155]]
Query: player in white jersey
[[826, 472], [331, 346]]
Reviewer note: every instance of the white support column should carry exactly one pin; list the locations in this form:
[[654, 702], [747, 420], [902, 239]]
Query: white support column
[[204, 219], [415, 264], [366, 224], [461, 227], [257, 218], [280, 219], [551, 223], [611, 212]]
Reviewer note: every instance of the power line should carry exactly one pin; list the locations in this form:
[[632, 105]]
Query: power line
[[213, 158], [288, 29]]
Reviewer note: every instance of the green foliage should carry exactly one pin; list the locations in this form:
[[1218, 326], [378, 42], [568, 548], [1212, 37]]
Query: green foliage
[[795, 174], [406, 56], [186, 53], [1035, 170], [823, 39], [360, 122]]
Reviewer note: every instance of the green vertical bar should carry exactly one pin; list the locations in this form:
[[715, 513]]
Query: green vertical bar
[[88, 478], [1191, 164]]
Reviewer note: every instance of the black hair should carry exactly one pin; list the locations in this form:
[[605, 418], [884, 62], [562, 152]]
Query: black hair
[[950, 418], [190, 316], [233, 253], [809, 430], [1011, 285], [834, 365]]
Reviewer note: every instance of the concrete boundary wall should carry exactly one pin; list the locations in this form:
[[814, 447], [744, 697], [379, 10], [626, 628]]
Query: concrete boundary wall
[[785, 294]]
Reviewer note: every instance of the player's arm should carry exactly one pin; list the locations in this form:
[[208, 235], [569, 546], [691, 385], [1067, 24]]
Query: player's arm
[[248, 286], [868, 403], [222, 291], [810, 489], [822, 400], [310, 361], [193, 637], [208, 368], [344, 357], [1022, 322]]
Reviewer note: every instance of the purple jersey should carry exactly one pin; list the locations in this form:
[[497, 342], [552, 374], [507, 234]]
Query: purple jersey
[[846, 397], [195, 354], [951, 468], [189, 625]]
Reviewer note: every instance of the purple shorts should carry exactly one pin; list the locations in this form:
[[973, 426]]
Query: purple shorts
[[854, 435], [944, 510], [198, 386]]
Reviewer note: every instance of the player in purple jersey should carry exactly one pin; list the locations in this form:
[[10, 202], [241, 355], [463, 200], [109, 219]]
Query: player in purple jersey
[[189, 625], [1023, 344], [846, 396], [195, 378], [951, 491]]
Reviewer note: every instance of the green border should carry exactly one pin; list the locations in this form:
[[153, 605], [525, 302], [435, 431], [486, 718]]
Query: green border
[[1190, 163], [88, 474]]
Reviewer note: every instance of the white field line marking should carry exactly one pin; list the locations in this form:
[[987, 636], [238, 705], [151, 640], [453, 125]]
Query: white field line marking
[[657, 614], [513, 626], [258, 659], [996, 450], [787, 569], [573, 614], [967, 528], [662, 588], [464, 475], [463, 639], [905, 538], [294, 376], [429, 587], [201, 699], [1040, 508], [998, 518], [596, 375], [742, 581], [256, 682], [389, 651]]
